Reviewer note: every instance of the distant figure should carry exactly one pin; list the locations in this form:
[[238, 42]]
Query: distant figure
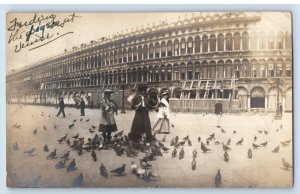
[[163, 122], [61, 107], [92, 104], [82, 107], [280, 109], [107, 120], [219, 112]]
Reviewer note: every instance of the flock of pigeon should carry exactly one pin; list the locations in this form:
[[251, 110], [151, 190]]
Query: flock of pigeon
[[121, 145]]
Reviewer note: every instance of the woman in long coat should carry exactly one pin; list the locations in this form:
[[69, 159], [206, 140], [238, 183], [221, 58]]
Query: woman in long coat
[[141, 122], [107, 120]]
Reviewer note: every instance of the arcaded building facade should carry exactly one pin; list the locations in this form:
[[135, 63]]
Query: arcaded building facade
[[222, 56]]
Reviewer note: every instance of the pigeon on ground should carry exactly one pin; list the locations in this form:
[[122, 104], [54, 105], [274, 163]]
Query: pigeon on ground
[[94, 156], [249, 153], [172, 125], [71, 166], [286, 143], [60, 140], [194, 164], [74, 120], [18, 126], [35, 131], [79, 181], [68, 142], [255, 138], [225, 147], [266, 132], [276, 149], [76, 136], [260, 131], [103, 171], [119, 134], [181, 154], [207, 142], [14, 125], [55, 127], [30, 152], [16, 146], [226, 156], [218, 179], [80, 119], [71, 126], [174, 152], [60, 164], [189, 142], [65, 156], [234, 132], [87, 120], [164, 138], [285, 164], [255, 145], [194, 153], [204, 148], [240, 142], [52, 155], [222, 130], [217, 143], [119, 171], [228, 142], [46, 149], [91, 131], [94, 127], [44, 127], [199, 139], [264, 144]]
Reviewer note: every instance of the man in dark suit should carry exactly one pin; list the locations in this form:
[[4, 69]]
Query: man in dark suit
[[61, 107], [82, 107]]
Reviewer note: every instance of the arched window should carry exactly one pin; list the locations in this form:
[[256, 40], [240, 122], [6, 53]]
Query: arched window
[[135, 54], [176, 72], [228, 67], [169, 72], [197, 44], [220, 70], [262, 40], [279, 65], [254, 41], [237, 41], [228, 42], [163, 49], [271, 68], [183, 46], [190, 71], [253, 68], [279, 41], [140, 53], [151, 51], [145, 51], [237, 67], [197, 71], [182, 71], [271, 41], [245, 41], [220, 42], [213, 43], [288, 41], [245, 69], [130, 54], [157, 50], [169, 48], [176, 47], [116, 57], [190, 45], [120, 56], [288, 68], [262, 68], [124, 56], [205, 44]]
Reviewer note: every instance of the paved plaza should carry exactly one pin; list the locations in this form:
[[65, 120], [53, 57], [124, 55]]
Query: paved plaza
[[264, 169]]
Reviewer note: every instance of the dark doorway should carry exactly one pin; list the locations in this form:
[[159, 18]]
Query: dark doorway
[[257, 102]]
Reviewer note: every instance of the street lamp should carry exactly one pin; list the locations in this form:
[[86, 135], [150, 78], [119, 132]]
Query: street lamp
[[278, 114], [123, 97]]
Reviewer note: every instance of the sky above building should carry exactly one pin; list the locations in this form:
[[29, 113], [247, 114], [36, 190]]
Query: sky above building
[[67, 30]]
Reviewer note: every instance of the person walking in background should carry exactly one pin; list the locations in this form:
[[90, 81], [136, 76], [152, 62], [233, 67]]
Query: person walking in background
[[107, 120], [218, 112], [61, 107], [82, 107], [163, 123]]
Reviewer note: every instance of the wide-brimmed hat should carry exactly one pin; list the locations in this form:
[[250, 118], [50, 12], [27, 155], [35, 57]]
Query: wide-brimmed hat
[[166, 92]]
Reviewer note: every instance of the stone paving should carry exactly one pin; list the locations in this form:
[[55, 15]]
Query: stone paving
[[265, 169]]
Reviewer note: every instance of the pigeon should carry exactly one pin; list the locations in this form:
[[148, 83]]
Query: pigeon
[[207, 142], [91, 131], [228, 142], [225, 147], [264, 144], [80, 119], [286, 164], [176, 139], [194, 153], [76, 136], [226, 156], [35, 131], [204, 148], [240, 141], [174, 153], [181, 154], [94, 156], [189, 142], [172, 143], [55, 127], [94, 127], [222, 130], [16, 146], [145, 164], [186, 138], [281, 126], [44, 127], [164, 138], [71, 166], [218, 179], [68, 142], [211, 137], [119, 134], [234, 132], [18, 126], [217, 143], [255, 138], [194, 164], [172, 125], [260, 131], [60, 164], [87, 120], [78, 182], [266, 132], [285, 143], [133, 168], [71, 126], [276, 149], [255, 145], [65, 156], [46, 149], [14, 125], [119, 171], [103, 171], [30, 152], [52, 155], [249, 153], [199, 139], [74, 120], [61, 140]]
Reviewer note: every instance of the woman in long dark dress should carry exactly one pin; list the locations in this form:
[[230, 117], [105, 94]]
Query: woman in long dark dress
[[107, 120], [141, 123]]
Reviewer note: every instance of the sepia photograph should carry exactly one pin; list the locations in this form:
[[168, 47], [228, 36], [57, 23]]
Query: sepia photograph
[[149, 100]]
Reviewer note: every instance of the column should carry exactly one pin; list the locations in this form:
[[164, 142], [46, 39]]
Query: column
[[249, 104]]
